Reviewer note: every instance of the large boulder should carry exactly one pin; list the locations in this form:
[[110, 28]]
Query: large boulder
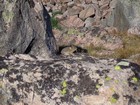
[[124, 15], [24, 28], [75, 80]]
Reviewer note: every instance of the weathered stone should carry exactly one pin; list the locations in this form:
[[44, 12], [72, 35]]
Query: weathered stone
[[104, 7], [23, 29], [97, 12], [94, 1], [111, 30], [63, 81], [59, 17], [65, 1], [87, 12], [63, 8], [134, 31], [88, 1], [124, 13], [70, 4], [74, 10], [89, 22], [73, 21], [77, 1]]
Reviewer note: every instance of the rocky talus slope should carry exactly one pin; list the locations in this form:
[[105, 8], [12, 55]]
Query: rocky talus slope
[[75, 80], [94, 22], [122, 15]]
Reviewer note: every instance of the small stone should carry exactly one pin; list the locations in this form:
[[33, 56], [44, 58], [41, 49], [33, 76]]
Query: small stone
[[111, 30], [89, 21], [74, 10], [73, 21], [94, 1], [87, 12], [88, 1], [70, 3], [59, 16], [104, 7], [134, 31], [65, 1]]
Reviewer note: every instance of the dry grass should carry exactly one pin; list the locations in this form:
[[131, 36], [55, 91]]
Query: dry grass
[[93, 50], [131, 47]]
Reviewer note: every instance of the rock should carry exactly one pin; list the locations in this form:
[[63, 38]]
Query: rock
[[63, 7], [59, 17], [73, 21], [104, 7], [63, 81], [74, 10], [89, 22], [65, 1], [134, 31], [77, 1], [87, 12], [57, 34], [123, 14], [111, 30], [23, 29], [88, 1], [94, 1], [97, 12], [70, 4]]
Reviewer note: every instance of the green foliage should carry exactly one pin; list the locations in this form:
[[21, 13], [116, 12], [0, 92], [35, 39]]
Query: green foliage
[[54, 21]]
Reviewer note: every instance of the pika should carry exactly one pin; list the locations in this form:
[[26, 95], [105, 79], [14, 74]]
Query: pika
[[68, 50]]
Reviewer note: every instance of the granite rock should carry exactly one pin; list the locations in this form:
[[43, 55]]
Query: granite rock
[[75, 80]]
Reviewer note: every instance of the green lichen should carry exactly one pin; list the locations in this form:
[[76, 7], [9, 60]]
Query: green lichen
[[113, 100], [64, 88], [64, 91], [118, 68], [64, 84], [8, 14], [135, 79], [116, 81], [98, 86], [107, 78]]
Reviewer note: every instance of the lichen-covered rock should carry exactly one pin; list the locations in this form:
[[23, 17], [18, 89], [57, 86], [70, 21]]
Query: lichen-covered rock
[[75, 80], [24, 28]]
